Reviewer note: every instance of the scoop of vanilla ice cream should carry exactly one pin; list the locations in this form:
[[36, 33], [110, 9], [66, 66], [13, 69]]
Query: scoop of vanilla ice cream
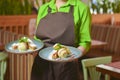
[[22, 46]]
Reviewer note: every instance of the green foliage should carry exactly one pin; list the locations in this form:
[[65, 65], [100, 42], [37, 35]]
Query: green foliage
[[23, 39], [15, 7], [37, 2], [116, 6], [108, 6]]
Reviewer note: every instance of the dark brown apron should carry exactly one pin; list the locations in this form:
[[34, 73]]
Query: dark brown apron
[[56, 28]]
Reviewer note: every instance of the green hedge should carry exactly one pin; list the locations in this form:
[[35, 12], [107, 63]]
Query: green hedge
[[108, 6], [15, 7]]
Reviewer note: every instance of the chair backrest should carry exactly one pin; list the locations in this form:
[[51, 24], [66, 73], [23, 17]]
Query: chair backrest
[[17, 24], [109, 34], [3, 64], [99, 32], [6, 36], [89, 67], [112, 39], [117, 47]]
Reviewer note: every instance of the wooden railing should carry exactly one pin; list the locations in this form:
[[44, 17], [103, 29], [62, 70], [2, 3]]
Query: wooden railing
[[111, 19], [101, 19]]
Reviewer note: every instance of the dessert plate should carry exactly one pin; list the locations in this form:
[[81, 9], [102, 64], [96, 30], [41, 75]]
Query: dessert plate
[[46, 54], [39, 45]]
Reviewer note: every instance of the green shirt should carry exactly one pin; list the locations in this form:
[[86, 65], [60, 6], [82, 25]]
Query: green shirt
[[82, 19]]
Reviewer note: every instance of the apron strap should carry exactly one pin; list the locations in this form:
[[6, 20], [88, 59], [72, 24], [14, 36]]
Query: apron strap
[[49, 10], [71, 9]]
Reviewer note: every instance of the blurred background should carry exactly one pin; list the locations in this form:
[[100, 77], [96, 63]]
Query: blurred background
[[18, 19], [17, 7]]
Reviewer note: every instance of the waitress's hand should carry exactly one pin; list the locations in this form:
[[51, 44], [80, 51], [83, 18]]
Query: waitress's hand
[[82, 49]]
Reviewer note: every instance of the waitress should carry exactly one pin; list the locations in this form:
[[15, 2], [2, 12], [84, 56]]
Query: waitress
[[66, 22]]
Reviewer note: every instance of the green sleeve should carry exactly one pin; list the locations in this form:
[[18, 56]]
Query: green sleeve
[[85, 38], [38, 17]]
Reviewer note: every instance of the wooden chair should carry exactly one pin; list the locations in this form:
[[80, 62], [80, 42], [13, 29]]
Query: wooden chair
[[109, 34], [6, 36], [99, 32], [16, 24], [117, 47], [3, 64], [111, 39], [89, 67]]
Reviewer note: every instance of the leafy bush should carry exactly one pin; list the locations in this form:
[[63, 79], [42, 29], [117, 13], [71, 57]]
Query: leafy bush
[[106, 6], [15, 7]]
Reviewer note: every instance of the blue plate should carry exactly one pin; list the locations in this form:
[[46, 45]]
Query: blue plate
[[46, 54], [39, 45]]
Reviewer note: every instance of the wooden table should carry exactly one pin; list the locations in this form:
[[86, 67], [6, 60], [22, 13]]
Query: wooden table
[[112, 69], [97, 43]]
